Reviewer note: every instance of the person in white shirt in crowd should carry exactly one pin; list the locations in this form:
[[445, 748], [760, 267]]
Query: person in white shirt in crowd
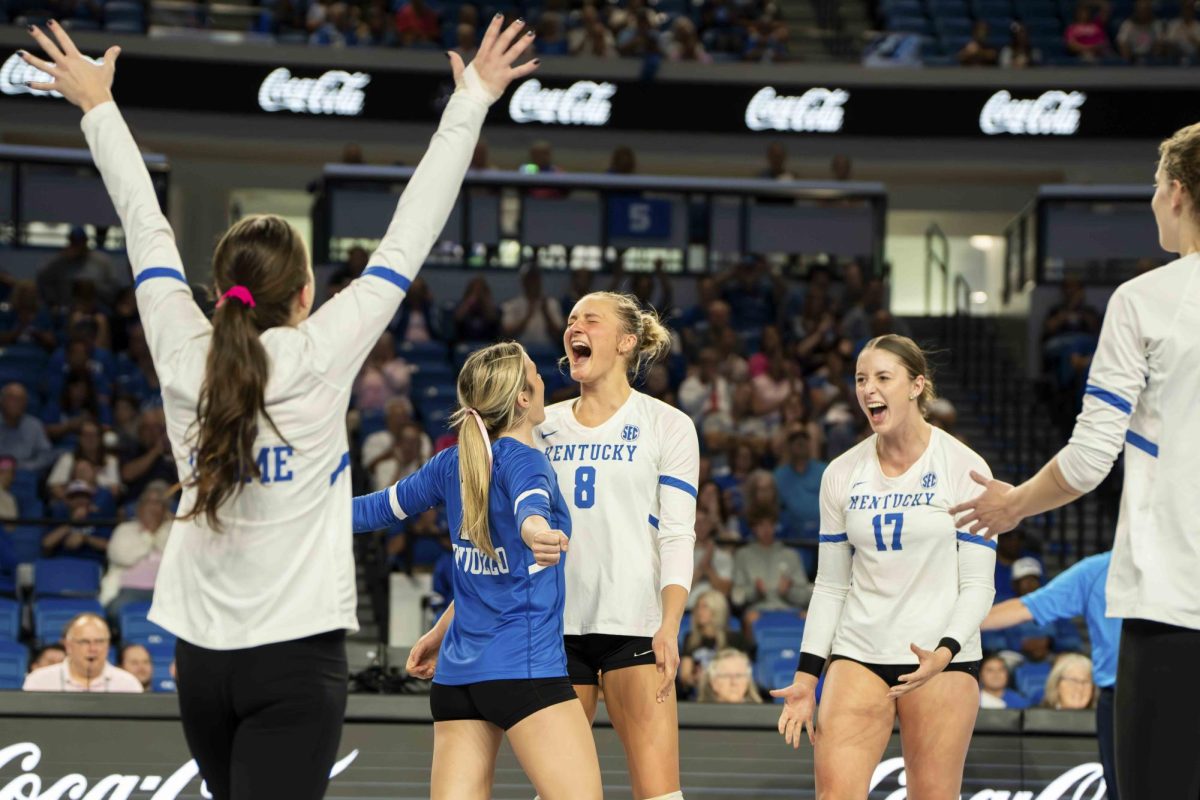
[[705, 391], [135, 659], [1182, 38], [86, 639], [257, 580], [531, 317], [900, 594], [767, 574], [379, 449], [1140, 400], [90, 448], [135, 552]]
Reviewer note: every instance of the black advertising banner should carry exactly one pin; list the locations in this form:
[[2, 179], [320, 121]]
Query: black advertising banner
[[996, 112]]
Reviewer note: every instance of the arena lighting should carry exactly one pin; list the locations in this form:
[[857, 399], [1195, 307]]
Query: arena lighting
[[334, 92], [979, 298], [581, 103], [1052, 113], [980, 242], [816, 111]]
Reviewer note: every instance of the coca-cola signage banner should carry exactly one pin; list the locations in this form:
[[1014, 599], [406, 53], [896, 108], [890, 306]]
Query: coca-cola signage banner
[[925, 110]]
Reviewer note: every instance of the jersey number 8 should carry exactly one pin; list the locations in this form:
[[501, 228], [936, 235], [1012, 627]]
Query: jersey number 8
[[897, 523], [585, 487]]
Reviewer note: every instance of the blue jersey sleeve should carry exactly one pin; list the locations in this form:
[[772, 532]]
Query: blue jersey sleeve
[[529, 480], [1066, 596], [413, 495]]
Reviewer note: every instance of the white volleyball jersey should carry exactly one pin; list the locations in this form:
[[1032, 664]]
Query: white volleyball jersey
[[631, 486], [893, 570], [282, 567], [1141, 399]]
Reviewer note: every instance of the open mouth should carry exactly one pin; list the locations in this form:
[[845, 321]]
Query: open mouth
[[580, 353], [877, 411]]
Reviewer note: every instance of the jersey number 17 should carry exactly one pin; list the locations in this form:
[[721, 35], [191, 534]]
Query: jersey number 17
[[897, 523]]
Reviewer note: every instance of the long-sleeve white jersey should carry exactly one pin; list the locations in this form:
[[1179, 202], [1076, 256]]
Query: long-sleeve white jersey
[[631, 487], [282, 567], [893, 569], [1142, 397]]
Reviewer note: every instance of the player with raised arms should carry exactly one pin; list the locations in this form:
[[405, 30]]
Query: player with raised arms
[[899, 596]]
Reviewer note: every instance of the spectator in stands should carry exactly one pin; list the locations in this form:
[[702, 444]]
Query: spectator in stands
[[729, 679], [356, 262], [124, 433], [21, 436], [1026, 575], [86, 669], [772, 346], [657, 384], [122, 318], [378, 26], [78, 405], [1010, 548], [1182, 37], [83, 352], [796, 417], [710, 634], [623, 161], [751, 292], [30, 323], [994, 679], [417, 23], [712, 501], [978, 52], [477, 317], [777, 168], [47, 656], [1019, 53], [705, 391], [9, 508], [135, 551], [56, 278], [76, 538], [90, 448], [409, 449], [135, 659], [531, 317], [1085, 37], [541, 161], [772, 388], [766, 41], [151, 458], [384, 375], [86, 314], [1140, 38], [340, 28], [1070, 687], [593, 38], [380, 446], [799, 482], [419, 318], [683, 43], [713, 553], [767, 574], [841, 167], [551, 39], [942, 414], [740, 426]]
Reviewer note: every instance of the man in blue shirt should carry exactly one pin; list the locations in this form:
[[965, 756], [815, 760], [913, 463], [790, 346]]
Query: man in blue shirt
[[22, 436], [1077, 592], [799, 482]]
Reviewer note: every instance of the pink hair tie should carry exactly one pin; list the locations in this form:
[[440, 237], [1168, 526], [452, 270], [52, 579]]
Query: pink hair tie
[[238, 293], [487, 440]]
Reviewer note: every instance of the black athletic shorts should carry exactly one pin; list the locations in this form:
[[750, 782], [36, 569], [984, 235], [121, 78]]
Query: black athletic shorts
[[502, 703], [593, 653], [890, 673]]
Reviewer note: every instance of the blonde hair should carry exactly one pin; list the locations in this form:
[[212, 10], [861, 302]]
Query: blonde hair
[[1180, 155], [1061, 665], [719, 607], [706, 694], [912, 358], [489, 383], [653, 338]]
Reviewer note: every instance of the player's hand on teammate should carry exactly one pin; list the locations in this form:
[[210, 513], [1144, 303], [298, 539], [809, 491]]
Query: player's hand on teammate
[[422, 659], [82, 82], [932, 663], [799, 703], [666, 660], [548, 547], [492, 68], [991, 513]]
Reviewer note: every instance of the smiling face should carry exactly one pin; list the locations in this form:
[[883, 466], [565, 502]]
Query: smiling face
[[594, 340], [886, 393], [1075, 687], [994, 675]]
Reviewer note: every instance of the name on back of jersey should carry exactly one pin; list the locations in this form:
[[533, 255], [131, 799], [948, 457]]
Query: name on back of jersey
[[475, 562]]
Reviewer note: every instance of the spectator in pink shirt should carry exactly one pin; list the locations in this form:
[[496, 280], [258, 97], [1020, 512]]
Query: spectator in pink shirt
[[86, 639], [1086, 37], [416, 22]]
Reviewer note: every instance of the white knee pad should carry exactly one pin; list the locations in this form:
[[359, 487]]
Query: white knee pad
[[671, 796]]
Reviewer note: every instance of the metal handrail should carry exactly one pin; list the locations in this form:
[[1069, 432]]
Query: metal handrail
[[937, 253]]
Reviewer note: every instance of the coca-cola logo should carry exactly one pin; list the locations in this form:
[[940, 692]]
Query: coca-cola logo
[[815, 111], [15, 74], [30, 786], [1084, 782], [1052, 113], [581, 103], [334, 92]]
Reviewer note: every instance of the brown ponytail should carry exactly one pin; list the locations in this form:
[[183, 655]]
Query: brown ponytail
[[267, 256]]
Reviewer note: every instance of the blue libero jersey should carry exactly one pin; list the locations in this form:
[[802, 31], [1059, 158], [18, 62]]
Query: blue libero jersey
[[508, 612]]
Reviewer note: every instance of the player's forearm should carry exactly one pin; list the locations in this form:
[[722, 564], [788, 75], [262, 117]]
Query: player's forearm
[[1006, 615], [533, 525], [443, 623], [674, 603], [1045, 491]]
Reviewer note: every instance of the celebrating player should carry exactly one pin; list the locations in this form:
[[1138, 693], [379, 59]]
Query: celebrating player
[[899, 596]]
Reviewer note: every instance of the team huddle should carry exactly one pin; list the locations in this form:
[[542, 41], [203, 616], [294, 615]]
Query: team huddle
[[573, 525]]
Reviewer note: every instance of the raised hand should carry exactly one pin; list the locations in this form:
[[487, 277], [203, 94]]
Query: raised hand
[[992, 512], [548, 547], [83, 82], [799, 702], [492, 68], [932, 662]]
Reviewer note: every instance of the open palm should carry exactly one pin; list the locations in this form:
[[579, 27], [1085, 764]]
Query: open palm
[[82, 81], [492, 70]]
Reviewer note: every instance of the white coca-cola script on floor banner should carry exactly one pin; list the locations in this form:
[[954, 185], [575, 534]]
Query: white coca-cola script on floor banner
[[334, 92], [1052, 113], [29, 785], [816, 111], [1084, 782], [581, 103]]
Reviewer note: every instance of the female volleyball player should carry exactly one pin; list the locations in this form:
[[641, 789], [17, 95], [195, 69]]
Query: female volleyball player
[[1141, 399], [628, 465], [501, 668], [258, 578], [899, 596]]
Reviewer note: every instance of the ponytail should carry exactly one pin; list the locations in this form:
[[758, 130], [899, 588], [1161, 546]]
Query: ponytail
[[475, 477]]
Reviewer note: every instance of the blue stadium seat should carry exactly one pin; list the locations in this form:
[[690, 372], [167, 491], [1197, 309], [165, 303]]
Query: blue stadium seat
[[1044, 27], [422, 351], [14, 662], [953, 27], [136, 629], [1030, 679], [51, 614], [27, 542], [917, 25], [986, 9], [947, 8], [1032, 9], [902, 8], [66, 577], [10, 620]]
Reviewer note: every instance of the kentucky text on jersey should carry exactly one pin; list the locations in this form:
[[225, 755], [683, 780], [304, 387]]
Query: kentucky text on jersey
[[591, 452], [870, 502]]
